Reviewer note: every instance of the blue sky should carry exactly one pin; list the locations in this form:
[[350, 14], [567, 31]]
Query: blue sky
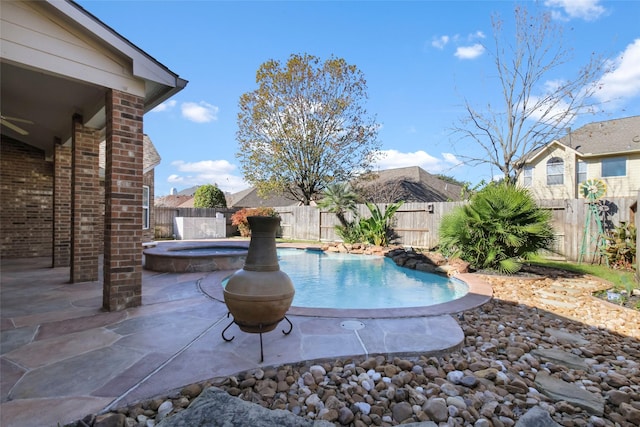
[[421, 59]]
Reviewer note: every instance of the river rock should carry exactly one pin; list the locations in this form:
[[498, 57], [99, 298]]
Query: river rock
[[437, 409], [402, 411], [536, 417]]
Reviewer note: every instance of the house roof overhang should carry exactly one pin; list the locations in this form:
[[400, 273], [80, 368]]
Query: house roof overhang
[[610, 154], [540, 152], [58, 60]]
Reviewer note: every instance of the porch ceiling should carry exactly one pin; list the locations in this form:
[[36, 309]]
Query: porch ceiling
[[49, 102]]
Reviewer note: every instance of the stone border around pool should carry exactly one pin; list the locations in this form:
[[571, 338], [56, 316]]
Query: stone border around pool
[[480, 292], [174, 257]]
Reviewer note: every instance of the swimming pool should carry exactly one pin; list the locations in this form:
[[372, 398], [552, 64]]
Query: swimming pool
[[347, 281]]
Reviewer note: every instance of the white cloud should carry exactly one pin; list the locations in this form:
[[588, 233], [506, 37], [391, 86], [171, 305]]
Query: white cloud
[[392, 159], [165, 106], [452, 159], [477, 35], [588, 10], [470, 52], [219, 172], [623, 81], [440, 42], [201, 112]]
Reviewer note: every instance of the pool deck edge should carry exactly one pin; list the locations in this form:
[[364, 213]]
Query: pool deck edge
[[479, 293]]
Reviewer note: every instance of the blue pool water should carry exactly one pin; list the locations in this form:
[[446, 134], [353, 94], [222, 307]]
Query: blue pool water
[[333, 280]]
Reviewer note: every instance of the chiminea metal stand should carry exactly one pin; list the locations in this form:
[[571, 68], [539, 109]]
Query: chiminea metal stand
[[261, 328]]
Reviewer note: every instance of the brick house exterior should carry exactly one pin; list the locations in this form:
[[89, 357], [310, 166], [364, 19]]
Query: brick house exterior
[[71, 84], [28, 214]]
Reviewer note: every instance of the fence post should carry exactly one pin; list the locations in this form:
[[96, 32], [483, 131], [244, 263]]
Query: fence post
[[637, 240]]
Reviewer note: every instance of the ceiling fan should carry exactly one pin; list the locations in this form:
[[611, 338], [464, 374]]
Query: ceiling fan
[[7, 121]]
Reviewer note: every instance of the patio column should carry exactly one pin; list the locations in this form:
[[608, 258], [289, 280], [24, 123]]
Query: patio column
[[85, 203], [122, 286], [62, 171]]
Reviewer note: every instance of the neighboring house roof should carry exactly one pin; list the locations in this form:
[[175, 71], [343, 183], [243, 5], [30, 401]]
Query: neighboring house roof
[[191, 191], [150, 159], [612, 136], [188, 202], [172, 201], [600, 138], [249, 198], [411, 184]]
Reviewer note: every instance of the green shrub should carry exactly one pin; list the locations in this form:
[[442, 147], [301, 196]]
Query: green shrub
[[499, 228], [349, 233], [209, 196], [620, 248]]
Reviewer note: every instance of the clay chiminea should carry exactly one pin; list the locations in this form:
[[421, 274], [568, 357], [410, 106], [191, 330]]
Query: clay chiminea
[[259, 295]]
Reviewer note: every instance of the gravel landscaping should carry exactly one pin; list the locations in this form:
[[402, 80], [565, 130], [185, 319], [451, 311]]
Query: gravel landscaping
[[543, 342]]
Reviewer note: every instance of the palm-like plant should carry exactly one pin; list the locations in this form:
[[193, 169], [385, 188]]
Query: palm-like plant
[[499, 228], [339, 199]]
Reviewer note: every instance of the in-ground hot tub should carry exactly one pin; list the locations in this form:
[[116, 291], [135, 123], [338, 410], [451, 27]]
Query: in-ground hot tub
[[190, 257]]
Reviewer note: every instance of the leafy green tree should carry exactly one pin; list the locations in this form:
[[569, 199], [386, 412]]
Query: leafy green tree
[[499, 228], [339, 199], [209, 196], [535, 107], [305, 126]]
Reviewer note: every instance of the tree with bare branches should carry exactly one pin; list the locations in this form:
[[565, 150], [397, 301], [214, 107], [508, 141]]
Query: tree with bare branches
[[536, 107]]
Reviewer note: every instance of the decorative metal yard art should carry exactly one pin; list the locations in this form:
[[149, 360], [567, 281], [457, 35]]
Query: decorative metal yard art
[[593, 190], [259, 295]]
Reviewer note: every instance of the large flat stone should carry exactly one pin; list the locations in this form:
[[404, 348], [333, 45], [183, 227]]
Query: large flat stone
[[560, 357], [567, 337], [557, 390], [214, 407]]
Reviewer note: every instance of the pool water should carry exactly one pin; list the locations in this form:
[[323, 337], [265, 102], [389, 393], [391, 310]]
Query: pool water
[[210, 250], [334, 280]]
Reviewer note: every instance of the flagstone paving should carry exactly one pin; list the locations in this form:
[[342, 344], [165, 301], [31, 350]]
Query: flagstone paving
[[63, 357]]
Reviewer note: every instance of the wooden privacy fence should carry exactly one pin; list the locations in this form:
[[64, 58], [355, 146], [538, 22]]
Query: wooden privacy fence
[[415, 224], [568, 219]]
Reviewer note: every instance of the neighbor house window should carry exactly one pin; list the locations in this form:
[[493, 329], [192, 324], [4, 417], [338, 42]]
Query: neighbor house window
[[616, 166], [555, 171], [527, 176], [581, 172], [145, 207]]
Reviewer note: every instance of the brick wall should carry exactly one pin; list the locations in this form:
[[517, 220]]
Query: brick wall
[[26, 190], [122, 287], [62, 206], [35, 207], [85, 204]]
